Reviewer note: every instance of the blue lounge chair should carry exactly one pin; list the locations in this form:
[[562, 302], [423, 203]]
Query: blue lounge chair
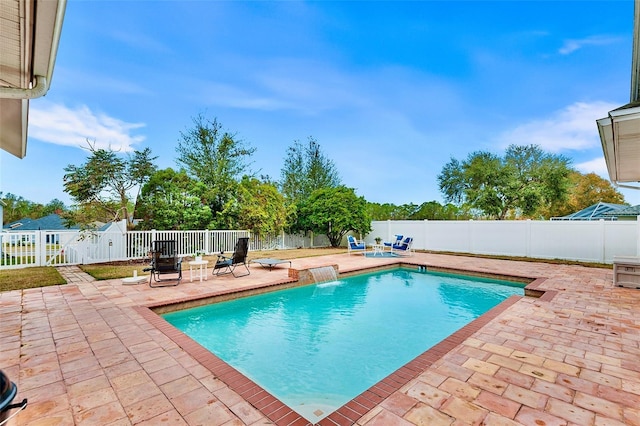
[[390, 244], [404, 248], [354, 246]]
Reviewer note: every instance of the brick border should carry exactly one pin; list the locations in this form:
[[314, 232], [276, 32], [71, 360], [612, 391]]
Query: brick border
[[348, 414]]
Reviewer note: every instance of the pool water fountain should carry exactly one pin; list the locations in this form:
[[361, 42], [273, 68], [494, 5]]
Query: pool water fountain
[[324, 274]]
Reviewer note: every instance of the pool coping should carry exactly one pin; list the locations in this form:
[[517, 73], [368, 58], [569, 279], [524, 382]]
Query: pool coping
[[281, 414]]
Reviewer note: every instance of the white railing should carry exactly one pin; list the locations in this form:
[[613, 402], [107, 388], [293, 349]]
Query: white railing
[[139, 243], [55, 248], [586, 241]]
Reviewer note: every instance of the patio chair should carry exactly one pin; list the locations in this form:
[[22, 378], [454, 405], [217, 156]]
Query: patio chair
[[164, 261], [354, 246], [227, 265], [391, 243], [404, 248]]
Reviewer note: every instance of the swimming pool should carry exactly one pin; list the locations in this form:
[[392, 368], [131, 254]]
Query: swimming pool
[[316, 347]]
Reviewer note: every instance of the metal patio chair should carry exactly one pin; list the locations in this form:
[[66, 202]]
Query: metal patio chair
[[404, 248], [353, 246], [164, 261], [227, 265]]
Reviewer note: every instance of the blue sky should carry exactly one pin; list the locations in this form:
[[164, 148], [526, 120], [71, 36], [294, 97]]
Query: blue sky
[[390, 90]]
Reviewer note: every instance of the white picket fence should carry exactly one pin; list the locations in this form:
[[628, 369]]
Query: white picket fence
[[56, 248], [586, 241], [53, 248]]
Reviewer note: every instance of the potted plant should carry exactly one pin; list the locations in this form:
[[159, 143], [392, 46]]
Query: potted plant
[[378, 240], [198, 255]]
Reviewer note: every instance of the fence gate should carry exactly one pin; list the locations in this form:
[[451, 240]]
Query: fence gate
[[56, 248]]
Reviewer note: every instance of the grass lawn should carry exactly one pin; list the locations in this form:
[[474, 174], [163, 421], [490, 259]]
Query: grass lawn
[[18, 279], [40, 276], [102, 271]]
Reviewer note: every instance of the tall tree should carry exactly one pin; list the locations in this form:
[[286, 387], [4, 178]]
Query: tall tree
[[214, 157], [334, 212], [516, 184], [106, 180], [306, 169], [172, 200]]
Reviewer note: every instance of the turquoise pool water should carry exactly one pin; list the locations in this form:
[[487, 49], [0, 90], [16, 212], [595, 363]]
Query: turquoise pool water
[[317, 347]]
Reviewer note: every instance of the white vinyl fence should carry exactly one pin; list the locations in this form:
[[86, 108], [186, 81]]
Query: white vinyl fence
[[586, 241]]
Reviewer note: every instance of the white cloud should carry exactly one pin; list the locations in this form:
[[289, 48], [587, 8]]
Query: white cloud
[[139, 40], [314, 88], [571, 128], [307, 87], [597, 166], [571, 46], [231, 96], [57, 124]]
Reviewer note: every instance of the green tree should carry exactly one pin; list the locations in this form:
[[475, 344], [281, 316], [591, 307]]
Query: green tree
[[516, 184], [306, 169], [214, 157], [54, 206], [379, 211], [172, 200], [88, 214], [389, 211], [334, 212], [432, 210], [17, 207], [258, 206], [405, 211], [106, 180]]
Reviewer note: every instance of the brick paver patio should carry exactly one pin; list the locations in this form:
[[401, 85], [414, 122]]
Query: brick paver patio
[[86, 353]]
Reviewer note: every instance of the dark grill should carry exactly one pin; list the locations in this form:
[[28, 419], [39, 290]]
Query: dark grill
[[8, 391]]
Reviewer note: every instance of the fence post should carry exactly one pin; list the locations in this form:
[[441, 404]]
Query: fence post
[[206, 241], [527, 239], [39, 249], [603, 231], [638, 236], [426, 234]]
